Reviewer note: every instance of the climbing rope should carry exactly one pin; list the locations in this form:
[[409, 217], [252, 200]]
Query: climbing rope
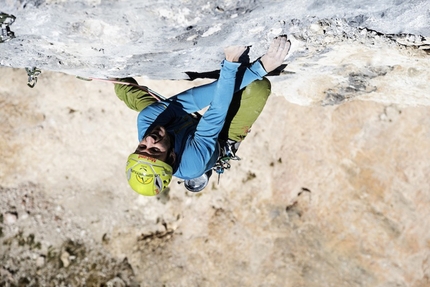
[[152, 93]]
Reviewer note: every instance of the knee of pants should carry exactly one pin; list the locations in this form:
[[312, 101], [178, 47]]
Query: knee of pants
[[261, 88], [252, 102]]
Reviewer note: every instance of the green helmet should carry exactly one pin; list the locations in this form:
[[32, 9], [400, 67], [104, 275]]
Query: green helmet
[[147, 175]]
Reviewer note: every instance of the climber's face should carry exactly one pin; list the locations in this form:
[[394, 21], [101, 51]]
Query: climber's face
[[156, 144]]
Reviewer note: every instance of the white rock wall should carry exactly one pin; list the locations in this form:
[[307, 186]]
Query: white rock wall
[[333, 188], [346, 49]]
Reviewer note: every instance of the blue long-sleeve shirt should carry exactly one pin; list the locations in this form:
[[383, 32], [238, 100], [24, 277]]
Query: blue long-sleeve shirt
[[195, 140]]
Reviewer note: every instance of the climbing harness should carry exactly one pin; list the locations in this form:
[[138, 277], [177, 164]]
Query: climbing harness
[[5, 21], [32, 74]]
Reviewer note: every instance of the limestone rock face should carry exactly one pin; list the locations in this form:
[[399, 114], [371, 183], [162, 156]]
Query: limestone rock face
[[375, 50], [333, 185]]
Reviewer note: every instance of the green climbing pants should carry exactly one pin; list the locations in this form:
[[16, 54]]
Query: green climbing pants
[[246, 105], [244, 110]]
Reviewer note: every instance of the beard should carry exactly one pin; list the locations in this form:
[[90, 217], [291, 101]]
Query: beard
[[160, 134]]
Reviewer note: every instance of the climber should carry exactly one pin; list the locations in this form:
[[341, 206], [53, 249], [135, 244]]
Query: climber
[[174, 141]]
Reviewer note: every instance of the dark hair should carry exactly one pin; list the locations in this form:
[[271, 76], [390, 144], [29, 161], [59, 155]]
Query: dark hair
[[170, 160]]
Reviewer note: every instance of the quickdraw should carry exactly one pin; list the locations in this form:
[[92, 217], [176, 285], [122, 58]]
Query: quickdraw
[[32, 74], [228, 151], [5, 33]]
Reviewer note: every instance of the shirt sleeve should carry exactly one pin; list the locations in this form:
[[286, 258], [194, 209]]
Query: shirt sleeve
[[201, 146], [135, 98], [255, 72], [195, 99], [153, 115]]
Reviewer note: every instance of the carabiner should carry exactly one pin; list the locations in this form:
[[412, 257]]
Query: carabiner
[[32, 74]]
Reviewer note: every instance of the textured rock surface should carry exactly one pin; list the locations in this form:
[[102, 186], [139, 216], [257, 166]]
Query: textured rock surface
[[324, 196], [331, 192], [365, 49]]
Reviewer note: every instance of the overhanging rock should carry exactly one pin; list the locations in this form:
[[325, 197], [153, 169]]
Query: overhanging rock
[[342, 50]]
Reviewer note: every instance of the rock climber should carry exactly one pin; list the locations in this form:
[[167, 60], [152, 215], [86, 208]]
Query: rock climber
[[173, 141]]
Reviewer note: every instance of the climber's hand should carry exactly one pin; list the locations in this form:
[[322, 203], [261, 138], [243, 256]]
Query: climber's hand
[[276, 54], [233, 53]]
